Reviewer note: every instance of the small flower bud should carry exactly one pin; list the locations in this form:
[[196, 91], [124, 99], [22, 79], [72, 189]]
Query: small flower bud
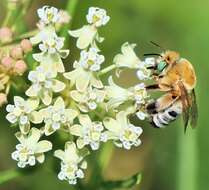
[[5, 34], [7, 62], [26, 45], [3, 99], [16, 53], [20, 67], [64, 17]]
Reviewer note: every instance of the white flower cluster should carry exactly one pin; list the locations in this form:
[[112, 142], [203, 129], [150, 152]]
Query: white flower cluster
[[76, 103]]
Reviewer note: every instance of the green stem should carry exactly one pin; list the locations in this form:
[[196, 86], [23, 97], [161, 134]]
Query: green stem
[[107, 69], [21, 14], [188, 161], [6, 176], [7, 18]]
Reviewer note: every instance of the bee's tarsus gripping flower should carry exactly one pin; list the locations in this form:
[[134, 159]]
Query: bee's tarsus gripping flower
[[122, 131], [30, 148], [72, 163]]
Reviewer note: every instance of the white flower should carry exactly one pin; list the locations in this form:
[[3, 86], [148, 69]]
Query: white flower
[[22, 113], [141, 114], [51, 44], [72, 163], [122, 132], [143, 73], [90, 133], [140, 93], [29, 150], [83, 78], [116, 94], [97, 16], [89, 99], [87, 35], [91, 60], [44, 84], [48, 15], [57, 116], [128, 57]]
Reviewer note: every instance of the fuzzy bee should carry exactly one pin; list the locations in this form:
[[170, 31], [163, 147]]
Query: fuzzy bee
[[176, 77]]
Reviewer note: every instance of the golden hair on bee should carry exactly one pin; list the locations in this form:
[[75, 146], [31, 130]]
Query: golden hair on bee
[[170, 57], [175, 76]]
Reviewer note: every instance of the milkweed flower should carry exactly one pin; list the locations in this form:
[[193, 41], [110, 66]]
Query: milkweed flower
[[82, 78], [122, 131], [44, 84], [72, 163], [30, 148], [56, 116], [89, 133], [97, 16], [127, 58], [88, 34], [23, 112], [88, 99], [91, 60], [48, 15], [116, 95]]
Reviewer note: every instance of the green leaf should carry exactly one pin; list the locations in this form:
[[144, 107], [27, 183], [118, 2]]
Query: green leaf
[[121, 184]]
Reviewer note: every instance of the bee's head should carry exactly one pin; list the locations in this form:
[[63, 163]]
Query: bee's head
[[170, 57]]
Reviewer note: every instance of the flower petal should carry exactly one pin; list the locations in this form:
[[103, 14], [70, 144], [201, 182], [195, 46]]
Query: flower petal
[[60, 154], [36, 117], [85, 120], [76, 130], [57, 86], [43, 146]]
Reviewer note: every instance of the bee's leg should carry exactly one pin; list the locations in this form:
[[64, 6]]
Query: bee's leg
[[153, 87], [159, 87], [161, 103]]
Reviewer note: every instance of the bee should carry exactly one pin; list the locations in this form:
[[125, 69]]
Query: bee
[[175, 76]]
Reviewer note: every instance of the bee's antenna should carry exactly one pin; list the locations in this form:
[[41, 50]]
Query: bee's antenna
[[157, 45], [148, 54]]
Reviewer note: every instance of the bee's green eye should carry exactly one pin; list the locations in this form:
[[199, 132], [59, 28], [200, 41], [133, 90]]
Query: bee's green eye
[[161, 66]]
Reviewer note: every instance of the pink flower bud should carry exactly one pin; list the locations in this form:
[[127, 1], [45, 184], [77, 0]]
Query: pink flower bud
[[20, 67], [64, 17], [7, 62], [5, 34], [3, 99], [16, 52], [26, 45]]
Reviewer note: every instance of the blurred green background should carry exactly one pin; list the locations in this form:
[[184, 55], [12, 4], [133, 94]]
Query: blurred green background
[[168, 159]]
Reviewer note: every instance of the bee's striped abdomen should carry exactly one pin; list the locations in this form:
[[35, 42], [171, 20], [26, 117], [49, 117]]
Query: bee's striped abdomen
[[163, 118]]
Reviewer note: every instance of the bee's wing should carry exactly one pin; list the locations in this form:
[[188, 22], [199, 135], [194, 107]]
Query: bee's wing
[[193, 110], [185, 104]]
